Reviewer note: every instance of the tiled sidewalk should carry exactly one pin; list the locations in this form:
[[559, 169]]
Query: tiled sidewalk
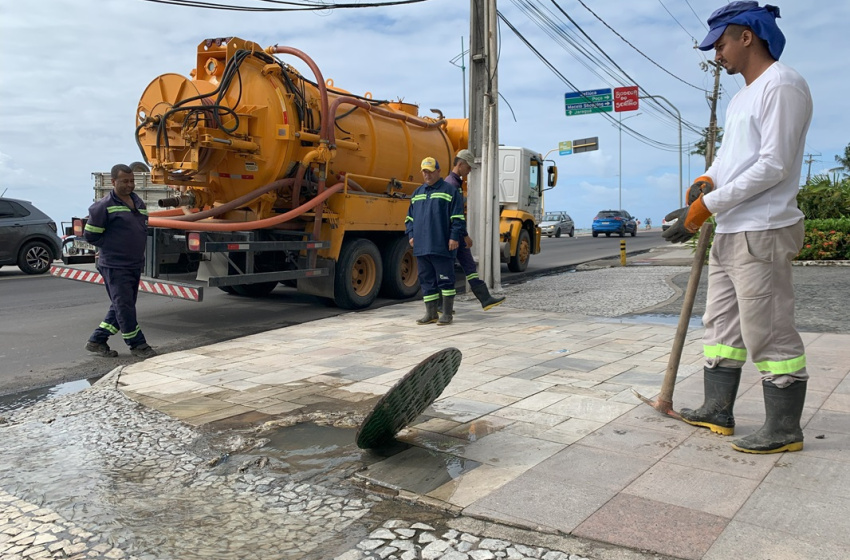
[[541, 422]]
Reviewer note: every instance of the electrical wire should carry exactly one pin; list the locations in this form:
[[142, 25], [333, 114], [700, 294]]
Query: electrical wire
[[631, 132], [631, 45], [561, 34], [305, 6]]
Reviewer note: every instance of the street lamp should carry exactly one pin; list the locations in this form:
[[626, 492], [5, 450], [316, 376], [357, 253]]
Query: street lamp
[[620, 116], [679, 115]]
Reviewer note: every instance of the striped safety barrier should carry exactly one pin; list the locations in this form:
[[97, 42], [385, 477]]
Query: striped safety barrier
[[159, 288]]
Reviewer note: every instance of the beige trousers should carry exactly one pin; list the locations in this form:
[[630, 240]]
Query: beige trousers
[[750, 307]]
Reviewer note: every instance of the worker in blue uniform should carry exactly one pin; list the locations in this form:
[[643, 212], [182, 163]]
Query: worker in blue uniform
[[118, 225], [434, 226], [462, 165]]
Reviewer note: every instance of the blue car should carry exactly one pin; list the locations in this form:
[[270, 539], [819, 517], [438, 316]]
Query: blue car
[[614, 221]]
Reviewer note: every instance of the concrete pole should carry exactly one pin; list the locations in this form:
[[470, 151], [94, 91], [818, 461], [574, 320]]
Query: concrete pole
[[484, 140]]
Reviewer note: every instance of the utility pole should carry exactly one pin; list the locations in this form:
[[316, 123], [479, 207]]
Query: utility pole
[[809, 160], [711, 138], [484, 139]]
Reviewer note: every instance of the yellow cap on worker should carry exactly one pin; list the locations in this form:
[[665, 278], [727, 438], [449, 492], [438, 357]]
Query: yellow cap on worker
[[430, 164]]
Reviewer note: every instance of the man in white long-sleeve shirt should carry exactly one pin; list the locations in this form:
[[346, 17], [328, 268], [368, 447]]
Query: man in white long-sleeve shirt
[[752, 188]]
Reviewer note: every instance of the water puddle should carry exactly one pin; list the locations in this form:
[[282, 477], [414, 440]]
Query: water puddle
[[23, 399], [418, 470], [695, 321]]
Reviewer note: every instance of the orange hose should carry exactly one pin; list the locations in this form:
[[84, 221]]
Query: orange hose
[[247, 226]]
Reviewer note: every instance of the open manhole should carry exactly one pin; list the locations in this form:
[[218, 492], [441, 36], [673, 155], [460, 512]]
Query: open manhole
[[406, 400]]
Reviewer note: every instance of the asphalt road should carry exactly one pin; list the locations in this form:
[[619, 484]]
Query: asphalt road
[[45, 321], [820, 298]]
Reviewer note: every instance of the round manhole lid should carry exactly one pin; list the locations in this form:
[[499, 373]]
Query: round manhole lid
[[406, 400]]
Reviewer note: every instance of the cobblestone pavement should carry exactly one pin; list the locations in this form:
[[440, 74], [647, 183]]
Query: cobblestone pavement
[[95, 475]]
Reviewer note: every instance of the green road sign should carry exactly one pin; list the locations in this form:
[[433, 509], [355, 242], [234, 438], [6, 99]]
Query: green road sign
[[588, 102]]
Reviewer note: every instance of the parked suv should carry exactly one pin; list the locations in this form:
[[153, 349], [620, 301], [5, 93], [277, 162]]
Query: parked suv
[[614, 221], [27, 237], [556, 223]]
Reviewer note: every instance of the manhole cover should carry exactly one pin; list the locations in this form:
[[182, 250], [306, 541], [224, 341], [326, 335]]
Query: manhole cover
[[408, 398]]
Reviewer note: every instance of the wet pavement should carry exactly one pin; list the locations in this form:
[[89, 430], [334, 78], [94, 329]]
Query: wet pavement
[[537, 449]]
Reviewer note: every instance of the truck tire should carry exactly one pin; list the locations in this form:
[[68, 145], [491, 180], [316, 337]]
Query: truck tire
[[358, 274], [519, 261], [258, 290], [35, 257], [401, 273]]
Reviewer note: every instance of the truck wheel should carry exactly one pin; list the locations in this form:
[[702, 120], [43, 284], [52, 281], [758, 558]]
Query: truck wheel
[[358, 274], [35, 257], [519, 262], [258, 290], [401, 273]]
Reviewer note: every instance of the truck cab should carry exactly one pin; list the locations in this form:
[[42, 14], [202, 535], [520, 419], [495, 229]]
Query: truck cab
[[522, 173]]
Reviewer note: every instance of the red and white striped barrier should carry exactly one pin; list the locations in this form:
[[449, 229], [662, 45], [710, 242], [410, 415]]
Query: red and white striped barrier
[[156, 287]]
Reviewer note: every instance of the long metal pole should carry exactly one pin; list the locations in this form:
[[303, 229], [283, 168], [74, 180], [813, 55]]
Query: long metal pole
[[620, 172]]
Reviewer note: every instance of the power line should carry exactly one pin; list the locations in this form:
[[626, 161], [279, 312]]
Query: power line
[[632, 46], [294, 6], [562, 35], [696, 16], [631, 132], [677, 21]]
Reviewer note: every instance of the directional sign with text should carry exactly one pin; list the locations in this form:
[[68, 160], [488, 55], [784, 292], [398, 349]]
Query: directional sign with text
[[587, 102], [565, 148]]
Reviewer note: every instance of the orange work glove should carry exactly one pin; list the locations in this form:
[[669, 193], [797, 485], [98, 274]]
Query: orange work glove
[[688, 221], [702, 185]]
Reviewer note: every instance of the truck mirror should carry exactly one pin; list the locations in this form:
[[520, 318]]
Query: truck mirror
[[552, 175]]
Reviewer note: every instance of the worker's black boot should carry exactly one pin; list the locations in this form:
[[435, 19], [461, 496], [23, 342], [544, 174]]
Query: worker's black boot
[[440, 305], [448, 310], [721, 387], [483, 295], [781, 430], [430, 313]]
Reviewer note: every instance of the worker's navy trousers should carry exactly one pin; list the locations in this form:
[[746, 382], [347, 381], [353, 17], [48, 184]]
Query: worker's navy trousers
[[436, 275], [122, 287], [467, 263]]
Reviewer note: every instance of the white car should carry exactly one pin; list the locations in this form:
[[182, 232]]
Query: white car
[[665, 225]]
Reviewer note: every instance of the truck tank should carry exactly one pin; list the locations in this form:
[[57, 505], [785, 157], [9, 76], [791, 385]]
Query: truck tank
[[249, 128]]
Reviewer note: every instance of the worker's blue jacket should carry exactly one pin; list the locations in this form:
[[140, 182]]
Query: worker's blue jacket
[[118, 231], [435, 216]]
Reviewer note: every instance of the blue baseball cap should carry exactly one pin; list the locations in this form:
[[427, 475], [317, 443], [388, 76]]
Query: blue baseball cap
[[762, 20]]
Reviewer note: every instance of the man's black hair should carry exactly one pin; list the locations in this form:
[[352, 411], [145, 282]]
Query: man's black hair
[[120, 168]]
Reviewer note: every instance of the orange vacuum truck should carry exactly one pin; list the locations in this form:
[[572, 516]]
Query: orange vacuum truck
[[267, 188]]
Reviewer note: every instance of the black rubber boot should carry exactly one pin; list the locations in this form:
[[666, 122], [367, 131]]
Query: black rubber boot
[[483, 295], [440, 305], [781, 430], [721, 388], [448, 310], [430, 313]]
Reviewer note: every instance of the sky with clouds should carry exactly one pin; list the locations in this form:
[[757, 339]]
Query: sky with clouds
[[73, 72]]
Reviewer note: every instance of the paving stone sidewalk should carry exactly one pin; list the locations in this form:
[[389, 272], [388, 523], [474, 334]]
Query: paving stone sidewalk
[[539, 430]]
